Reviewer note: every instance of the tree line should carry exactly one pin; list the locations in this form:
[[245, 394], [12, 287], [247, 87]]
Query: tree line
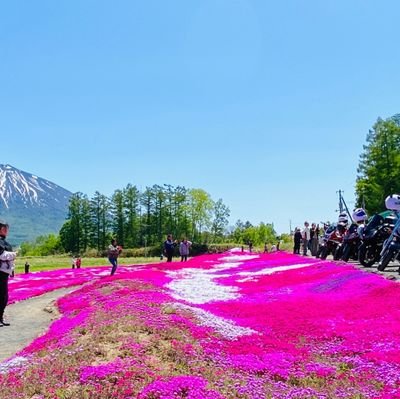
[[142, 219], [379, 165]]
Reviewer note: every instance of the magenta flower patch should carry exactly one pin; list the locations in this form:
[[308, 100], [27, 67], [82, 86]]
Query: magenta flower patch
[[236, 325]]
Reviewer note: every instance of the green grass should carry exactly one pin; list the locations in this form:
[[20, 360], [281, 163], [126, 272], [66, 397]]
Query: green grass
[[38, 263]]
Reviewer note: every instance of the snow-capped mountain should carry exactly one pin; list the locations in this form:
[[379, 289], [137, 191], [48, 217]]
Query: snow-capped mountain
[[25, 189], [32, 205]]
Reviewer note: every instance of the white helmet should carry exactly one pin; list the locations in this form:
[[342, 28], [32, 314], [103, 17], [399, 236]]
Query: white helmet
[[392, 202], [343, 218], [359, 215]]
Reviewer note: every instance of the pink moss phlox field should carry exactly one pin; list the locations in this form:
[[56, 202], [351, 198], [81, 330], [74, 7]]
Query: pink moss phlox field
[[26, 286], [234, 325], [179, 387]]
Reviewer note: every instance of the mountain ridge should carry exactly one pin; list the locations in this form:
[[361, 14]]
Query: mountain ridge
[[32, 205]]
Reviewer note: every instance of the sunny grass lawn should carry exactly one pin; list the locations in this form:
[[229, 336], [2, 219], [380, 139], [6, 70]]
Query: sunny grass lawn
[[39, 263]]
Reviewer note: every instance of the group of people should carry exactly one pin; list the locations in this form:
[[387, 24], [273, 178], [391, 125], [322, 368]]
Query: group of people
[[170, 245], [114, 250], [76, 262], [308, 237]]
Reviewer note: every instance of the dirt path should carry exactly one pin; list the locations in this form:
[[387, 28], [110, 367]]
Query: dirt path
[[29, 319]]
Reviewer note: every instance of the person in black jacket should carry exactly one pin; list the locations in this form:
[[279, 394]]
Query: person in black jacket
[[297, 241], [7, 257], [169, 247]]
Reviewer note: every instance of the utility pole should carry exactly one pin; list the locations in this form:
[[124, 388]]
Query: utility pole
[[342, 203]]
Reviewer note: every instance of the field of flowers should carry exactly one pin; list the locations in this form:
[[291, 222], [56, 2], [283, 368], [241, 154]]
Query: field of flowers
[[236, 325]]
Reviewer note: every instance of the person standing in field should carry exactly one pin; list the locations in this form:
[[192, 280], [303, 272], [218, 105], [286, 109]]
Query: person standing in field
[[314, 233], [184, 247], [306, 237], [250, 246], [7, 257], [169, 247], [27, 266], [113, 252], [297, 241]]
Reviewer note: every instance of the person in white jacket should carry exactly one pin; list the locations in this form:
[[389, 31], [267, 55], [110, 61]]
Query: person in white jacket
[[305, 234], [184, 247], [7, 258]]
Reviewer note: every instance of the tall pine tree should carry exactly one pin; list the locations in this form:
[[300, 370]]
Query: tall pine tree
[[379, 166]]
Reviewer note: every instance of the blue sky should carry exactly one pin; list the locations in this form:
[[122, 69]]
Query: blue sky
[[265, 104]]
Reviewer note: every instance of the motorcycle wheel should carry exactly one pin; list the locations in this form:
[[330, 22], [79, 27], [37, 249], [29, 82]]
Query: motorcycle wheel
[[346, 253], [366, 256], [338, 253], [324, 253], [386, 258]]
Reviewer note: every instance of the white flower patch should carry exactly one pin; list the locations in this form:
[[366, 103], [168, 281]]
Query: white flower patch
[[12, 363], [243, 280], [197, 286], [237, 249], [238, 258], [226, 265], [227, 328], [102, 273], [272, 270]]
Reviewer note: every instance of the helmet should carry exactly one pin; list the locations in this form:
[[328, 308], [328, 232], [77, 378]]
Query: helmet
[[343, 218], [359, 215], [392, 202]]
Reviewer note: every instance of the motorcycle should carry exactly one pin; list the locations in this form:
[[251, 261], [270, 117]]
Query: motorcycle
[[374, 235], [332, 238], [391, 248], [349, 247]]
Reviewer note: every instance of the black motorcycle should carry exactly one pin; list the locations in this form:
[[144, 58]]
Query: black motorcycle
[[391, 248], [374, 235], [349, 247]]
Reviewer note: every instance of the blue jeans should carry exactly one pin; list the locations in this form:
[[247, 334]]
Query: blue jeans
[[113, 261]]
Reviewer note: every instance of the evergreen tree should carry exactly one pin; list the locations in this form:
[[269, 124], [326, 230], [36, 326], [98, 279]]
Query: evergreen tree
[[147, 202], [86, 224], [118, 216], [379, 166], [74, 233], [100, 219], [132, 224]]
